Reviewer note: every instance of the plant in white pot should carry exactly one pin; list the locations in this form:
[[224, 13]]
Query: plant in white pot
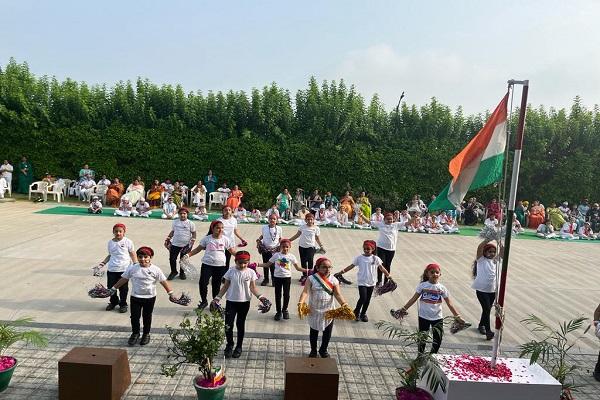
[[198, 342], [10, 333]]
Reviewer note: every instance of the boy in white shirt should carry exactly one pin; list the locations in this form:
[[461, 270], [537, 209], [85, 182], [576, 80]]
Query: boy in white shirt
[[180, 241], [240, 214], [169, 209], [95, 206], [142, 209], [124, 209], [491, 221], [376, 217], [546, 231], [586, 232], [3, 186], [200, 214], [569, 230]]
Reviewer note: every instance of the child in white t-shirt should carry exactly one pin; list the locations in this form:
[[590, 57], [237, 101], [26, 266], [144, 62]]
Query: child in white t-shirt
[[200, 213], [309, 237], [430, 294], [368, 264], [282, 262], [124, 209], [179, 241], [142, 209], [240, 285], [169, 209], [144, 275], [95, 206], [120, 255], [240, 214]]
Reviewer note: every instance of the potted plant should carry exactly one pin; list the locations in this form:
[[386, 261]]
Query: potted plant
[[198, 343], [9, 335], [553, 349], [423, 366]]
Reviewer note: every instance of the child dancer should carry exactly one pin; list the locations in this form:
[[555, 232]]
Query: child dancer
[[180, 241], [169, 209], [267, 244], [142, 209], [309, 236], [367, 264], [230, 230], [282, 261], [200, 213], [95, 206], [386, 242], [320, 290], [484, 272], [144, 276], [120, 255], [213, 261], [430, 294], [124, 209], [240, 285]]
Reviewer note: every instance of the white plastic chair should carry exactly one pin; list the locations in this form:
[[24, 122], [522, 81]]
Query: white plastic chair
[[56, 190], [40, 187], [214, 198], [98, 190], [73, 189]]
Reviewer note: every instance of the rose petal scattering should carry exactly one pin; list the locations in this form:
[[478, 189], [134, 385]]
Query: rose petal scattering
[[343, 312], [303, 310], [399, 314], [216, 307], [183, 300], [387, 287], [99, 292], [265, 305], [466, 367], [7, 362], [458, 325]]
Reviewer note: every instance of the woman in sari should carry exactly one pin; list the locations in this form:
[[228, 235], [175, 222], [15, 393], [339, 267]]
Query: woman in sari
[[25, 175], [347, 204], [521, 212], [177, 194], [114, 193], [537, 215], [135, 191], [555, 215], [154, 194], [364, 206], [235, 197]]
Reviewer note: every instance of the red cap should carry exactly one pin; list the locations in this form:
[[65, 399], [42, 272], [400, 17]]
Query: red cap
[[370, 243], [146, 251], [242, 256], [432, 266], [320, 261], [115, 226], [288, 241]]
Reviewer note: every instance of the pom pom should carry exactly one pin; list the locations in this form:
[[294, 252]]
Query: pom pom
[[458, 325], [98, 270], [389, 286], [215, 307], [265, 305], [399, 314], [99, 292], [321, 250], [253, 266], [491, 233], [303, 310], [243, 244], [183, 300], [187, 267], [343, 312]]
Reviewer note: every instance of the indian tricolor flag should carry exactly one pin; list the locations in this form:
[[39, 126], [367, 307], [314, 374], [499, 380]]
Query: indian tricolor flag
[[479, 164]]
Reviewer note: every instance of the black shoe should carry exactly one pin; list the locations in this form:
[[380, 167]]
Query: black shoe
[[489, 335], [110, 307], [133, 339], [237, 352], [313, 354], [182, 276], [286, 314], [145, 339], [364, 318], [228, 351], [356, 315], [481, 329], [123, 309], [202, 305], [265, 282], [341, 278], [596, 375], [324, 354], [171, 276], [277, 316]]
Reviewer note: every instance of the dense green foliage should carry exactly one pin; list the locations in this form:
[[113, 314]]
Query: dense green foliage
[[326, 136]]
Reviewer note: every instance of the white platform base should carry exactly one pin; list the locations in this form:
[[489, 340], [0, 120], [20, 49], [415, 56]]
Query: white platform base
[[529, 382]]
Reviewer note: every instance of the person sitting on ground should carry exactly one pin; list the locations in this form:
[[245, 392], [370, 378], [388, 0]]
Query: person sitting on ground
[[330, 215], [95, 206], [517, 228], [521, 213], [416, 224], [364, 205], [377, 216], [256, 216], [124, 209], [491, 221], [241, 214], [302, 212], [200, 213], [556, 216], [569, 230], [273, 211], [169, 209], [546, 231], [432, 225], [448, 223], [320, 216], [586, 232], [347, 203], [330, 199], [396, 215], [142, 209], [342, 219], [537, 214]]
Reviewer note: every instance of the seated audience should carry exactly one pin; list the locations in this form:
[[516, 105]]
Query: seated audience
[[142, 209], [169, 209]]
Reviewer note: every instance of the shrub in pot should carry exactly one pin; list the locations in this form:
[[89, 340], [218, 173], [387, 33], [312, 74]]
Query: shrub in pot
[[10, 333], [198, 342]]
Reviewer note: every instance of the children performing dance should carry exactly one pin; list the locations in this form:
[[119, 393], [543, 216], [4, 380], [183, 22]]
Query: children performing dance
[[267, 245], [309, 237], [484, 272], [179, 241]]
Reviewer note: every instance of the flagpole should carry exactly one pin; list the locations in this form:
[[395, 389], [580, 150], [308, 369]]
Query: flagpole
[[510, 217]]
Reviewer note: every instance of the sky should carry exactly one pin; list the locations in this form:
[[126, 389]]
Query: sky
[[461, 52]]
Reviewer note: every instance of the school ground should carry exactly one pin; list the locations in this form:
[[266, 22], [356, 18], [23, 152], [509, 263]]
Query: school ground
[[46, 261]]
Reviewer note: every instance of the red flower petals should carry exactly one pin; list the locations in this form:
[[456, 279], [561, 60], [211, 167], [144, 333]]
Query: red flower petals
[[469, 368], [6, 362]]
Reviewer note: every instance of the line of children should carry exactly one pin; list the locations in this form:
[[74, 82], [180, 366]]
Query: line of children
[[180, 241]]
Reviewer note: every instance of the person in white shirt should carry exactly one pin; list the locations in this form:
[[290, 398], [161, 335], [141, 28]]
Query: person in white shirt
[[342, 219], [200, 214], [124, 209], [386, 243], [180, 241], [309, 237], [142, 209], [120, 255], [546, 231], [330, 216], [273, 211], [240, 285], [224, 191], [144, 275], [448, 223], [199, 194], [95, 206], [484, 283], [491, 221], [403, 220], [281, 264], [415, 225], [3, 187], [586, 232], [240, 214], [377, 216], [256, 216], [569, 230], [368, 264], [432, 226], [230, 230], [267, 244], [6, 171], [517, 228], [85, 187], [169, 209], [216, 245], [104, 181]]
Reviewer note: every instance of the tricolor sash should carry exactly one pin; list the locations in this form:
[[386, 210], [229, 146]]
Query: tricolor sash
[[324, 282]]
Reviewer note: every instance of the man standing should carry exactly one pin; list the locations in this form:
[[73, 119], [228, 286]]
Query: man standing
[[25, 174]]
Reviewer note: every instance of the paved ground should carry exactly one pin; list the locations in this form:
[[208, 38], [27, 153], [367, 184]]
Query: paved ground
[[46, 260]]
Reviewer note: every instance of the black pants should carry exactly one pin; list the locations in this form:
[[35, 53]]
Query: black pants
[[364, 299], [307, 257], [141, 307], [206, 273], [227, 259], [386, 257], [233, 309], [314, 336], [597, 369], [438, 332], [111, 279], [487, 301], [175, 251], [266, 256], [282, 283]]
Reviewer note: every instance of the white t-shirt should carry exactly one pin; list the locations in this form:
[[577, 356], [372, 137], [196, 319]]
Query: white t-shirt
[[307, 235], [485, 281], [182, 232], [119, 254], [214, 253], [388, 235], [229, 225], [239, 289], [283, 264], [143, 280], [271, 236], [367, 269], [430, 302]]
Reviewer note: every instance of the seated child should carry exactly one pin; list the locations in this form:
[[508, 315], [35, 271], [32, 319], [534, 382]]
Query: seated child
[[273, 211], [569, 229], [491, 221], [342, 219], [142, 209], [447, 222], [124, 209], [546, 231], [586, 232], [416, 224], [200, 214], [240, 214], [432, 225], [404, 220], [377, 216], [330, 215], [517, 228], [255, 216], [169, 209], [95, 206]]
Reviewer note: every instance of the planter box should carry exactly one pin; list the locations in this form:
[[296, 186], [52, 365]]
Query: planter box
[[311, 378], [528, 382]]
